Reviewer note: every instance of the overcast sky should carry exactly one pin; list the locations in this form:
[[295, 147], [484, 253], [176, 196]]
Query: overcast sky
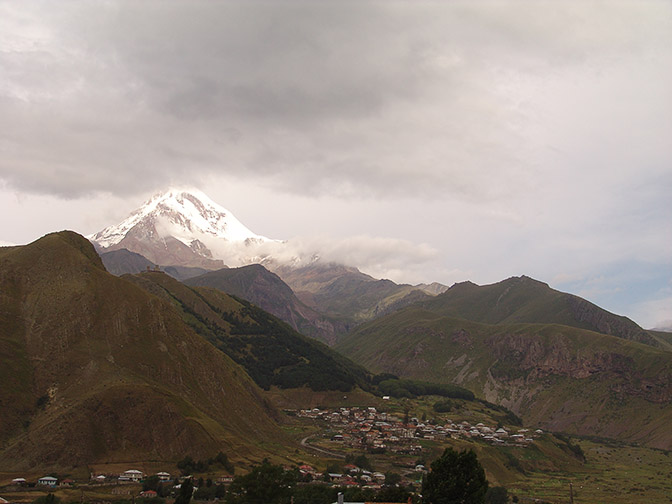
[[421, 141]]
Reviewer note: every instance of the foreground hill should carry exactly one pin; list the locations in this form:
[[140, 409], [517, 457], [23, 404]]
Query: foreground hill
[[266, 290], [523, 299], [94, 368], [270, 350], [555, 376]]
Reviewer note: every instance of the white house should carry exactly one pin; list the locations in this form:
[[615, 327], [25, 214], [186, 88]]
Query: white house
[[131, 475], [163, 476], [47, 481]]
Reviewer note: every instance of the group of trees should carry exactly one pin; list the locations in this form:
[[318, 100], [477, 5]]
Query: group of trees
[[396, 387], [273, 353]]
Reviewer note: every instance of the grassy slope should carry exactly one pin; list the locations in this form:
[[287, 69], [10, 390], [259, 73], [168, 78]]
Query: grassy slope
[[525, 300], [559, 377], [124, 376]]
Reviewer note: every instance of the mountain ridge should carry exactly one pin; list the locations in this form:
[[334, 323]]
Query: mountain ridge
[[560, 378], [526, 300]]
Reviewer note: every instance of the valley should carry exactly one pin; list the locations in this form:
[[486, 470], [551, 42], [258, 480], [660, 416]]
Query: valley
[[114, 361], [540, 469]]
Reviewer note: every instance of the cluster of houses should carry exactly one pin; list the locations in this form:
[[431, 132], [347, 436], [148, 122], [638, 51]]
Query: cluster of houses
[[367, 428], [45, 481], [351, 476], [130, 476]]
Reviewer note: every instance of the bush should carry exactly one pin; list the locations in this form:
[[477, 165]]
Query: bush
[[444, 406], [497, 495], [47, 499]]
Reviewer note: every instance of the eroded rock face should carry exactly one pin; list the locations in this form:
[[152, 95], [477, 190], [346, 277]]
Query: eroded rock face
[[533, 359]]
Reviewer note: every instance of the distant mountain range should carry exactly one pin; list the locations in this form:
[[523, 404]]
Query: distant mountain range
[[556, 359]]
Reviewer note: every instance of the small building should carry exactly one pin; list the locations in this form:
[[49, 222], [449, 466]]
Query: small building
[[132, 475], [148, 494], [47, 481], [67, 482], [163, 476]]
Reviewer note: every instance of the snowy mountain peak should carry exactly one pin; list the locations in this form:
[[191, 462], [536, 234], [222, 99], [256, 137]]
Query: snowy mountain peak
[[187, 215]]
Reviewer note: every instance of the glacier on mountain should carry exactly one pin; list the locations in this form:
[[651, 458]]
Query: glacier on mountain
[[184, 215]]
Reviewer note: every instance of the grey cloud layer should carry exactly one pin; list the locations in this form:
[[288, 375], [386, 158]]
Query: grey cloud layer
[[327, 97], [513, 137]]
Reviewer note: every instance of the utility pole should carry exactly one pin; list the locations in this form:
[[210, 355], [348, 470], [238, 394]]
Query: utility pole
[[571, 494]]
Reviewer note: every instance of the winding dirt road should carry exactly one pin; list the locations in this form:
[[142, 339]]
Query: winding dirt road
[[304, 443]]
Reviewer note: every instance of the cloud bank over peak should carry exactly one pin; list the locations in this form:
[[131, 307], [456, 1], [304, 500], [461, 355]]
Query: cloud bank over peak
[[511, 138]]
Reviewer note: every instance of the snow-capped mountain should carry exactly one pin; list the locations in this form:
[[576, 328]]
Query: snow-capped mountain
[[184, 227]]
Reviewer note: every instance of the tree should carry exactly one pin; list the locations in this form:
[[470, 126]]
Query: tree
[[220, 491], [266, 483], [392, 478], [455, 478], [186, 489], [151, 483]]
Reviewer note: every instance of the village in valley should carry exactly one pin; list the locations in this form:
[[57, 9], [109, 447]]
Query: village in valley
[[339, 431], [370, 429]]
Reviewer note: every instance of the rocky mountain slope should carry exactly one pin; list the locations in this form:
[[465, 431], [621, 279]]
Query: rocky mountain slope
[[122, 261], [266, 290], [347, 294], [94, 368]]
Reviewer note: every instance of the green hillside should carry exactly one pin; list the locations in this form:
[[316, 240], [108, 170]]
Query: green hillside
[[270, 350], [559, 377], [95, 369], [523, 299]]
